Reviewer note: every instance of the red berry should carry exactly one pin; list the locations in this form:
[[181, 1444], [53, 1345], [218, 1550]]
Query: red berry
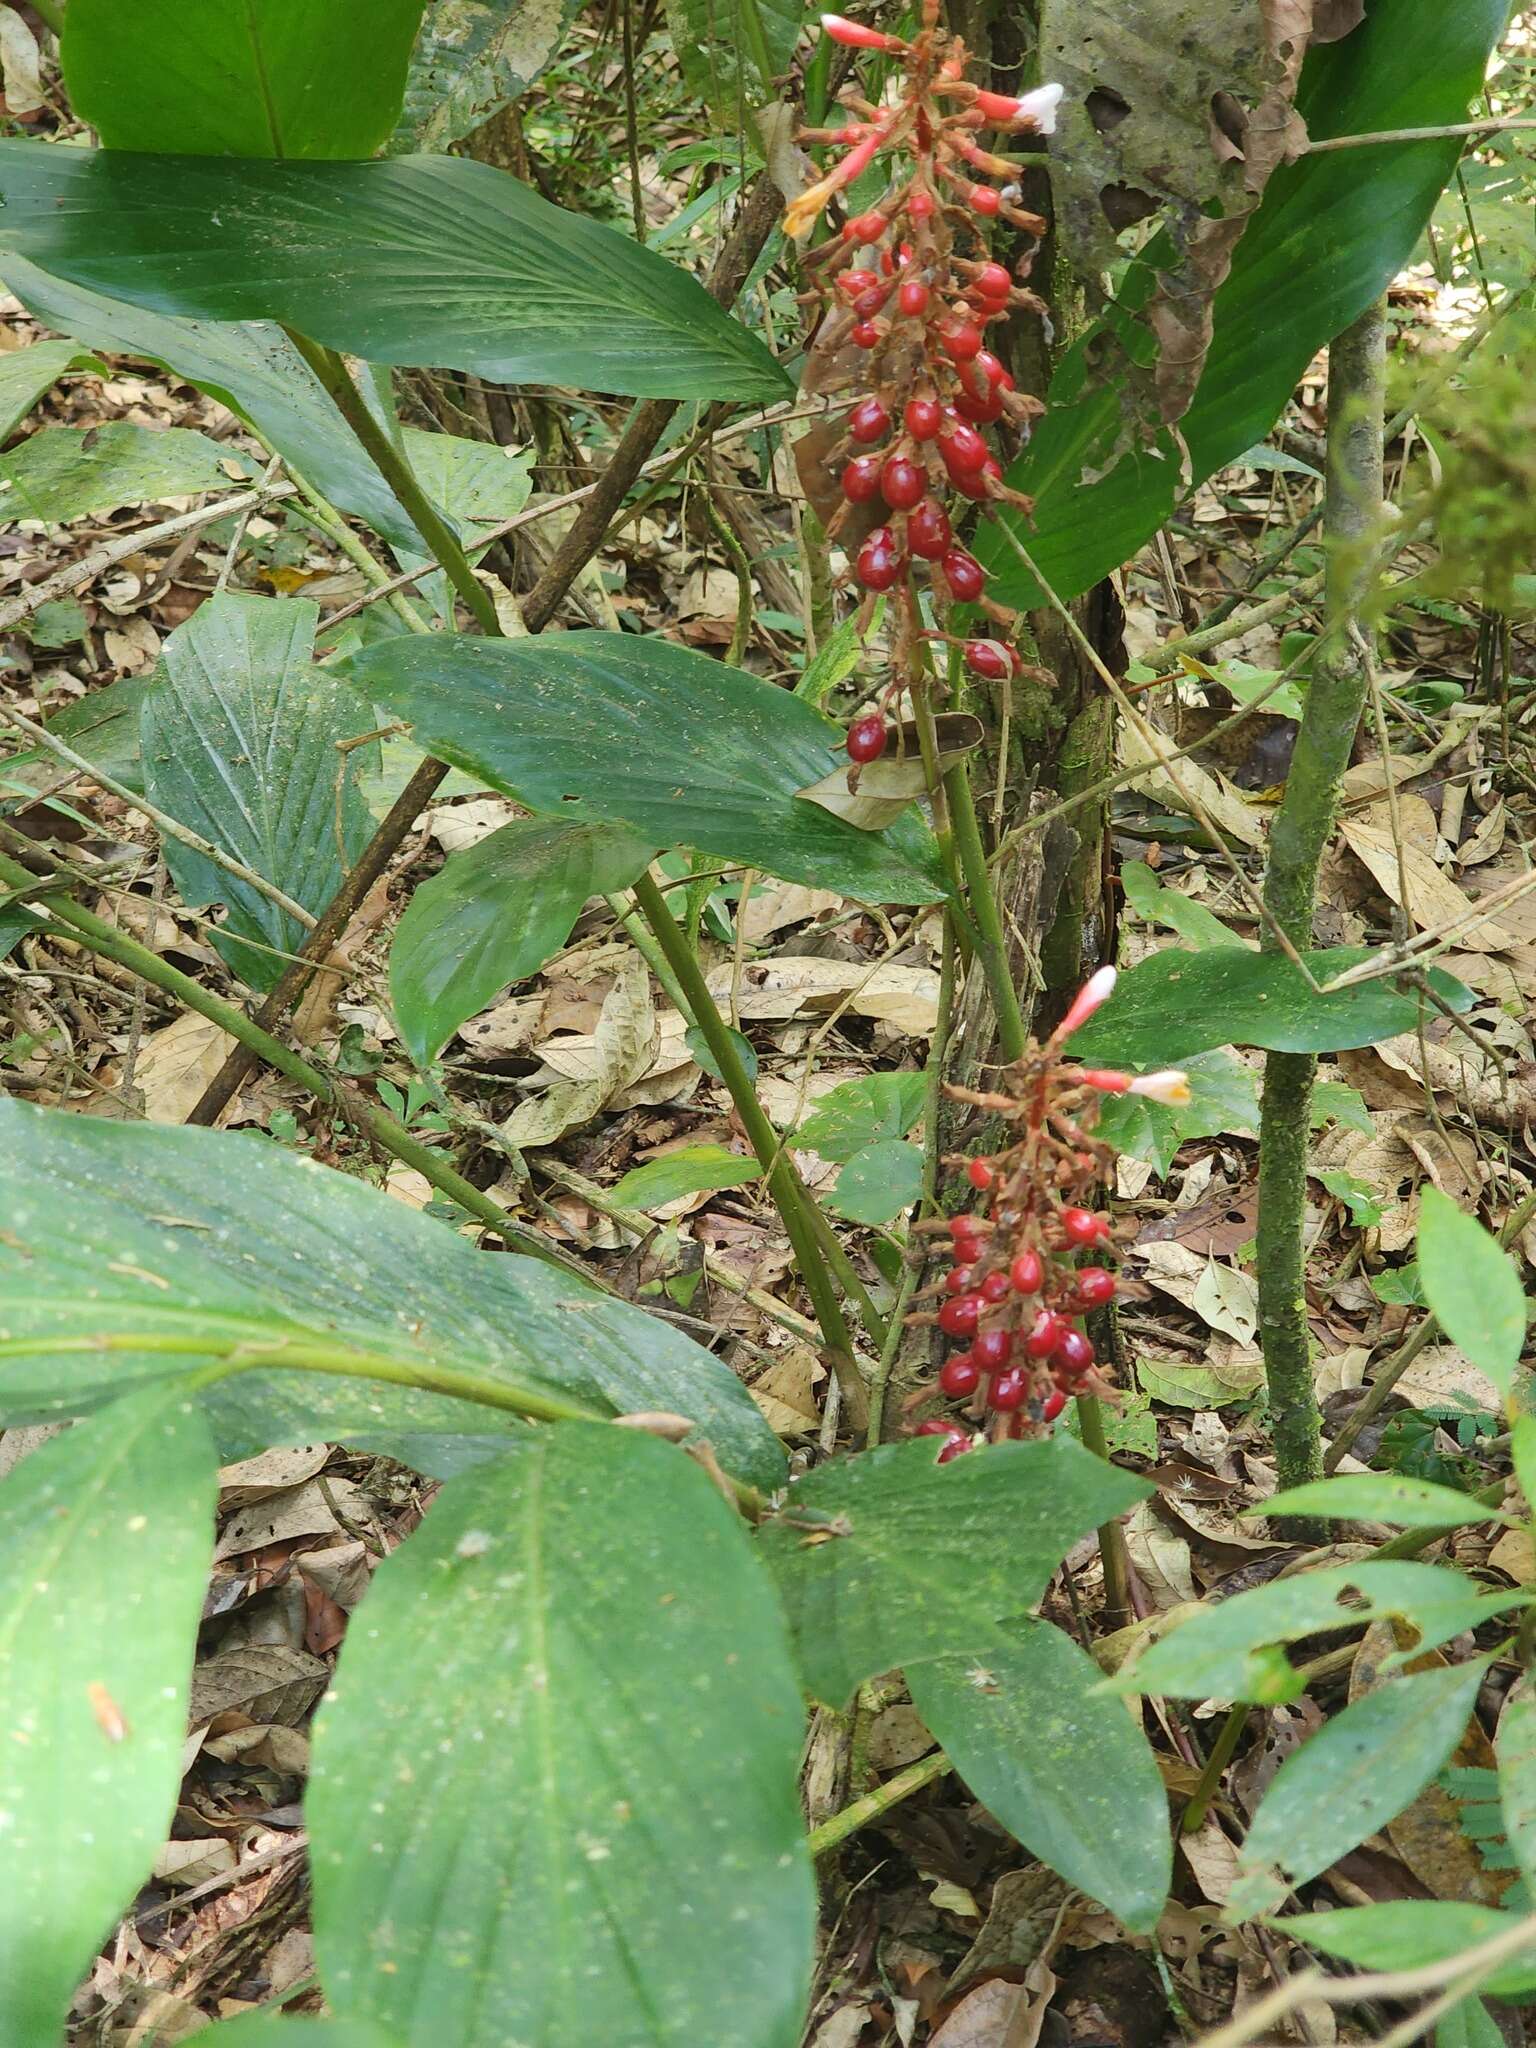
[[1046, 1335], [921, 206], [957, 1318], [981, 412], [869, 421], [869, 227], [992, 281], [1096, 1286], [958, 1279], [962, 448], [991, 1349], [934, 1428], [964, 575], [866, 738], [961, 340], [995, 1287], [902, 483], [1027, 1273], [879, 564], [850, 135], [853, 282], [1052, 1405], [913, 297], [976, 483], [1008, 1390], [984, 200], [986, 658], [922, 418], [867, 304], [861, 479], [961, 1376], [956, 1447], [989, 366], [864, 334], [1082, 1227], [979, 1174], [929, 532], [1074, 1354]]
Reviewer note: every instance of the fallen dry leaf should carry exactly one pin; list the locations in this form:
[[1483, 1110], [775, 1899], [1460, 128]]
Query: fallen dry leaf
[[176, 1064]]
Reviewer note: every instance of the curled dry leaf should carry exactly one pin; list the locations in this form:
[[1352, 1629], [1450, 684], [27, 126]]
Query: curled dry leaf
[[1409, 877], [905, 998], [886, 787], [623, 1048]]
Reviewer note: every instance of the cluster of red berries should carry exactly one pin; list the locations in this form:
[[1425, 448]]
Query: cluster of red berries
[[1015, 1294], [912, 285]]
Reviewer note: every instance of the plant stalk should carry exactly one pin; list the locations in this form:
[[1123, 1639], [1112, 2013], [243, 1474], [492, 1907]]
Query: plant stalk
[[862, 1811], [1303, 826], [789, 1197], [1112, 1547], [992, 943]]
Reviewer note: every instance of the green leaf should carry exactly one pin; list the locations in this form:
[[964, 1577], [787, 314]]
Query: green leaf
[[836, 658], [26, 373], [1224, 1096], [1332, 232], [733, 51], [1159, 904], [1469, 2024], [473, 58], [613, 728], [126, 1232], [240, 745], [1382, 1497], [1354, 1775], [878, 1183], [60, 624], [1473, 1287], [858, 1113], [253, 368], [267, 78], [65, 473], [554, 1788], [1178, 1003], [103, 726], [687, 1171], [1066, 1771], [1337, 1102], [1231, 1651], [698, 1045], [275, 2030], [1403, 1934], [422, 261], [1358, 1196], [494, 914], [1516, 1750], [15, 922], [889, 1557], [105, 1538]]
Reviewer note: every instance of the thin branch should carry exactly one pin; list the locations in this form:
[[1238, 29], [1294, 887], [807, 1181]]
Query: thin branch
[[1495, 126]]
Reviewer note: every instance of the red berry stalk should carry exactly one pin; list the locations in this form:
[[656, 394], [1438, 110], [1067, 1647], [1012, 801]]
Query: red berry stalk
[[1028, 1258], [911, 288]]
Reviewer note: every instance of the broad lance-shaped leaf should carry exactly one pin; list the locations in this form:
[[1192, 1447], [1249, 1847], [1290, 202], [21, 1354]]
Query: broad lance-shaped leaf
[[1516, 1749], [1066, 1770], [1403, 1934], [1177, 1003], [286, 78], [616, 729], [1356, 1773], [1332, 232], [26, 373], [275, 2030], [554, 1795], [105, 1538], [421, 261], [890, 1557], [250, 366], [732, 52], [494, 914], [240, 744], [192, 1237], [64, 473], [1383, 1497], [472, 58], [1231, 1651], [1473, 1286]]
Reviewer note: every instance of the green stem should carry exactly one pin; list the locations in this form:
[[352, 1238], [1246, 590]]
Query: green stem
[[392, 1137], [1112, 1548], [1302, 828], [51, 14], [1222, 1749], [789, 1196], [992, 941], [242, 1353], [881, 1800], [386, 458]]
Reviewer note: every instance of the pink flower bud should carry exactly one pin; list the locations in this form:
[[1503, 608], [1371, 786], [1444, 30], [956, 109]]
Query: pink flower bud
[[857, 37], [1095, 991], [1106, 1080], [1170, 1086]]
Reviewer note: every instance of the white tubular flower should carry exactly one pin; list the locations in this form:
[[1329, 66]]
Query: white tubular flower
[[1040, 107], [1171, 1086], [1095, 991]]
